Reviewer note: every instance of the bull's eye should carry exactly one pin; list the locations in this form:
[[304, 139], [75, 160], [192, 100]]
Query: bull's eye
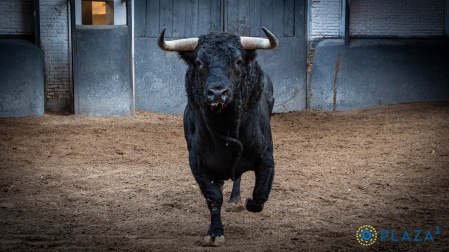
[[198, 63], [238, 62]]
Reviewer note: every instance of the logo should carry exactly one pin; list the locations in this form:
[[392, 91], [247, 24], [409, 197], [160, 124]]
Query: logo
[[366, 235], [417, 235]]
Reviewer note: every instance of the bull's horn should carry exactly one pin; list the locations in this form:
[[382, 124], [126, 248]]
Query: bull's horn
[[251, 43], [188, 44]]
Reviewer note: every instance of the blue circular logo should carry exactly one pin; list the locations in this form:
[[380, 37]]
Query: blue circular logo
[[366, 235]]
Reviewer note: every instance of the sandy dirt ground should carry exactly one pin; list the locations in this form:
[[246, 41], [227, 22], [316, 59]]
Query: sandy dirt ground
[[78, 183]]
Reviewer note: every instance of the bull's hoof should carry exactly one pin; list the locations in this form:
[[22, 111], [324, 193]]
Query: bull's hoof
[[253, 206], [211, 240], [235, 200], [234, 205]]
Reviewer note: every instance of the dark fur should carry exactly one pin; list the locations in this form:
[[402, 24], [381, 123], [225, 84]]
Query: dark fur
[[237, 139]]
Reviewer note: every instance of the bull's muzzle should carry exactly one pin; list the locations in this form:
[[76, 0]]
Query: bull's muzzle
[[218, 98], [218, 95]]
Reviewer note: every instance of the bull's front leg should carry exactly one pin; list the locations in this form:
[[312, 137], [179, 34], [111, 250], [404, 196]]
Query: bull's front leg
[[212, 191], [214, 198], [264, 180]]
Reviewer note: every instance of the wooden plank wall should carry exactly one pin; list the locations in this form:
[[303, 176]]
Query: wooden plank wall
[[191, 18], [285, 18], [181, 18], [158, 82]]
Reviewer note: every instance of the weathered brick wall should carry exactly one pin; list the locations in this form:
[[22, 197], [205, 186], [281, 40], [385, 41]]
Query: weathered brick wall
[[16, 17], [398, 18], [325, 19], [379, 18], [55, 44]]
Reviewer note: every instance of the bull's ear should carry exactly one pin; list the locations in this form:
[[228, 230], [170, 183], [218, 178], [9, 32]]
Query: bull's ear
[[187, 56], [250, 55]]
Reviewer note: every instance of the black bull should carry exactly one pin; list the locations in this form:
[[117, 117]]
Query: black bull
[[227, 118]]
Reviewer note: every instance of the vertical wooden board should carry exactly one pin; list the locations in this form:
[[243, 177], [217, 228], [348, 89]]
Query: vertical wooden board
[[203, 17], [289, 12], [255, 8], [179, 18], [86, 13], [300, 19], [191, 20], [140, 15], [266, 19], [152, 22], [243, 18], [278, 18], [215, 16], [166, 17], [232, 16]]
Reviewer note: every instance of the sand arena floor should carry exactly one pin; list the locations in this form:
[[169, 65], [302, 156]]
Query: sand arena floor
[[78, 183]]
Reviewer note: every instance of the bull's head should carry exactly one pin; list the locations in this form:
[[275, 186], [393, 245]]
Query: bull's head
[[220, 62]]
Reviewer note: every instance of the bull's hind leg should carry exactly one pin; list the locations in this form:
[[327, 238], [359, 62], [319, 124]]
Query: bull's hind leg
[[211, 189], [235, 198], [264, 181]]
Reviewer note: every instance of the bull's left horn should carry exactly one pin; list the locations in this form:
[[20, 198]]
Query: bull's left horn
[[251, 43], [188, 44]]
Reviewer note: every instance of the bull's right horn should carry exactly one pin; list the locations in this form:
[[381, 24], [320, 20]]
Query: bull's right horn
[[188, 44], [251, 43]]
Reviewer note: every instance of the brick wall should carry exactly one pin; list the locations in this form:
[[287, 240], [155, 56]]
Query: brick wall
[[16, 17], [399, 18], [55, 44], [379, 18], [325, 19]]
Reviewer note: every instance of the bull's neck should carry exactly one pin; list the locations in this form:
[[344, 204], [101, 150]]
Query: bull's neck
[[224, 129], [224, 125]]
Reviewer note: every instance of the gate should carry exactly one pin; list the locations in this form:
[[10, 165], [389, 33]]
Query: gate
[[102, 57], [159, 75]]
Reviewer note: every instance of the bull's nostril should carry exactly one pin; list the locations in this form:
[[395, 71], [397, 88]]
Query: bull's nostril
[[218, 94]]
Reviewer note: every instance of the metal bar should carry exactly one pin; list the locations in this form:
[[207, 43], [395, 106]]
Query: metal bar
[[36, 24], [446, 22], [69, 25], [337, 67], [309, 50], [130, 22], [75, 95], [345, 18]]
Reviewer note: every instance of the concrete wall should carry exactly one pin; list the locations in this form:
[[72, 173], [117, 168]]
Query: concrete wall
[[102, 74], [160, 76], [16, 17], [406, 18], [21, 79], [373, 72], [55, 44], [119, 12], [378, 72]]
